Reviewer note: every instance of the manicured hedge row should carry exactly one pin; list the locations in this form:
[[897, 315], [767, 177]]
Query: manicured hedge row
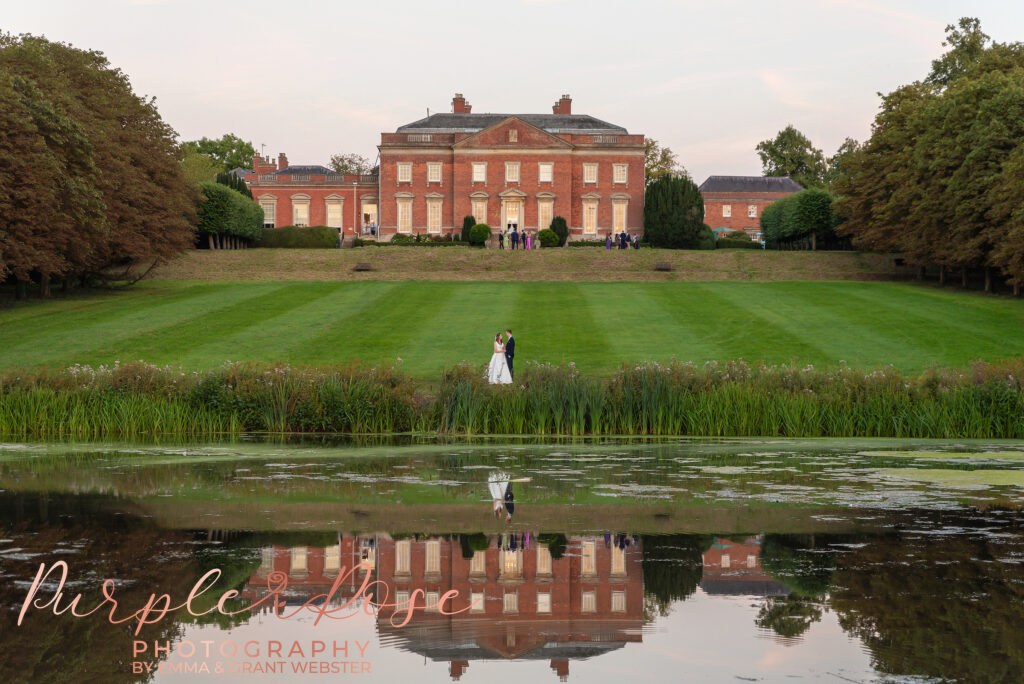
[[224, 211], [313, 237]]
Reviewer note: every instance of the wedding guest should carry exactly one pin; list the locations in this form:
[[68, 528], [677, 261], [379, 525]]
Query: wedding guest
[[608, 242], [501, 240], [529, 241], [515, 237]]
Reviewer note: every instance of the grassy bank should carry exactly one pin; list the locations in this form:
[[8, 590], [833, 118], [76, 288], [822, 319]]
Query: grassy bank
[[565, 265], [434, 325], [733, 399]]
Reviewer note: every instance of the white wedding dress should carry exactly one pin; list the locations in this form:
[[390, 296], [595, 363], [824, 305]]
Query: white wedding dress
[[497, 371]]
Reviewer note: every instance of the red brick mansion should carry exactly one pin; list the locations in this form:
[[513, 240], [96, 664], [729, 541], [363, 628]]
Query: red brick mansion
[[505, 170]]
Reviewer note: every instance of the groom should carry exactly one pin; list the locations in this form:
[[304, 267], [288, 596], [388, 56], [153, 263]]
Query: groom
[[510, 352]]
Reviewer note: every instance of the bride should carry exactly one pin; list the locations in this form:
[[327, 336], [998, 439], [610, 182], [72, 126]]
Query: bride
[[497, 372]]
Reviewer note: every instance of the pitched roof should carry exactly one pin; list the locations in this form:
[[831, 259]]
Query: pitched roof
[[470, 123], [239, 171], [750, 184], [294, 170]]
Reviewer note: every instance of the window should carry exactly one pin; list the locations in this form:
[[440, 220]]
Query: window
[[543, 560], [513, 135], [432, 599], [269, 213], [332, 559], [369, 214], [544, 213], [402, 557], [298, 559], [752, 211], [300, 210], [545, 172], [476, 602], [480, 210], [726, 210], [543, 602], [433, 556], [401, 600], [510, 563], [588, 604], [619, 216], [751, 561], [266, 561], [618, 561], [590, 216], [618, 602], [334, 213], [725, 561], [404, 172], [433, 172], [476, 565], [511, 172], [479, 172], [433, 218], [405, 215], [590, 173], [589, 566], [511, 603], [621, 173]]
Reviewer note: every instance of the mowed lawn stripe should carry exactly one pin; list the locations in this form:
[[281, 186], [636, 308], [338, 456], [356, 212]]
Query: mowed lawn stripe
[[970, 325], [554, 323], [289, 336], [380, 333], [842, 328], [639, 326], [726, 318], [76, 335], [463, 328]]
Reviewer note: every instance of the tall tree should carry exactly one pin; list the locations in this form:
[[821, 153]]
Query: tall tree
[[966, 43], [230, 151], [673, 213], [660, 161], [199, 168], [836, 163], [355, 164], [51, 212], [150, 207], [790, 153]]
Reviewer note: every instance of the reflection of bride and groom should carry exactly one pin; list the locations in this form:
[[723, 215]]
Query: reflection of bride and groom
[[499, 372], [500, 485]]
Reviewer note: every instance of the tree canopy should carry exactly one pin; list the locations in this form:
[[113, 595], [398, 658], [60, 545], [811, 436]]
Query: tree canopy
[[229, 151], [939, 180], [81, 142], [355, 164], [660, 161], [790, 153]]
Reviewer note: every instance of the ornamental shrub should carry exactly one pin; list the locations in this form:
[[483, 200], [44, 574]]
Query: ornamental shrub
[[314, 237], [740, 235], [224, 211], [673, 211], [548, 238], [479, 234], [706, 238], [467, 225], [561, 229]]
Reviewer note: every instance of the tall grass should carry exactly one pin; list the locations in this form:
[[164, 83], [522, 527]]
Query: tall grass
[[730, 399]]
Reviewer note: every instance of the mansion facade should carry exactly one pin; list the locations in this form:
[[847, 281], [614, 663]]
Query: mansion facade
[[505, 170]]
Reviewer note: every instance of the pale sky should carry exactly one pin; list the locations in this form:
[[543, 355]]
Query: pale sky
[[708, 79]]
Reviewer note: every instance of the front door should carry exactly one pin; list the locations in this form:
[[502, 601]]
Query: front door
[[512, 214]]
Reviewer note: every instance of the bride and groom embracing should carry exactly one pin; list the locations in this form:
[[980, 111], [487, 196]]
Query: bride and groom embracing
[[499, 372]]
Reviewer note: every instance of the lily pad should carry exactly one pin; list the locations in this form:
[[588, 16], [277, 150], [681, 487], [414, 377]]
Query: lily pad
[[959, 455], [961, 479]]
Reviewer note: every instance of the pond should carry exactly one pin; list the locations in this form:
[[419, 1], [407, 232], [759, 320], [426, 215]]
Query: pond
[[647, 560]]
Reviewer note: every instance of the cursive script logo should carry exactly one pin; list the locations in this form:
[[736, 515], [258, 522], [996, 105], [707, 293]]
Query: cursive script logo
[[159, 606]]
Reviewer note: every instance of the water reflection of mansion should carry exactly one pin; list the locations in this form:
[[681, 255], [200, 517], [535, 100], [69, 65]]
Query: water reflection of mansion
[[734, 568], [512, 603]]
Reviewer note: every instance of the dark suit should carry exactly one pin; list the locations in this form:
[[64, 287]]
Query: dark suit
[[510, 352]]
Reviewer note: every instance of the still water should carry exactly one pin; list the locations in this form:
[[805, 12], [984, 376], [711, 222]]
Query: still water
[[682, 560]]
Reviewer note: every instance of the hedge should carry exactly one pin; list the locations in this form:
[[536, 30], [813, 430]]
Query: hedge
[[480, 233], [224, 211], [548, 238], [726, 243], [313, 237]]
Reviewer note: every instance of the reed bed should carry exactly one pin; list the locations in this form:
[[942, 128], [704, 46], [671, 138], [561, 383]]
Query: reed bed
[[715, 399]]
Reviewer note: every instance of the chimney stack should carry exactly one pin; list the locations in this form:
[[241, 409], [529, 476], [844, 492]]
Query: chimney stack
[[282, 161], [460, 106], [563, 106]]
